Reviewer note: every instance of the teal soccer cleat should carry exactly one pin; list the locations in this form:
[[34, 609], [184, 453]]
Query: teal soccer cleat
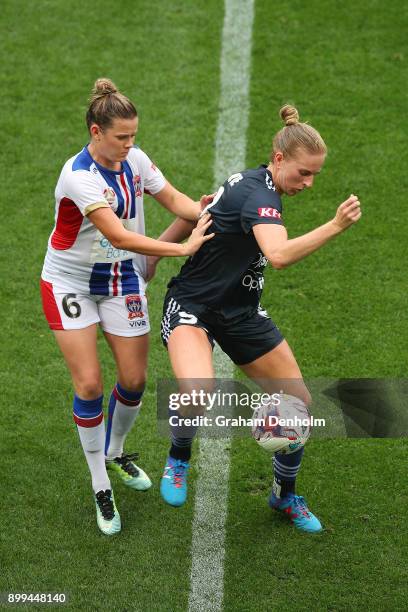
[[295, 507], [173, 486], [107, 515], [130, 474]]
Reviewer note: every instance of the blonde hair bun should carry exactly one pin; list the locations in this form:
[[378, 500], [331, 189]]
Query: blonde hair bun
[[300, 136], [289, 114]]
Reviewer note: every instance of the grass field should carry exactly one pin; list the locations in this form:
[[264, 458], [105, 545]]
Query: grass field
[[343, 310]]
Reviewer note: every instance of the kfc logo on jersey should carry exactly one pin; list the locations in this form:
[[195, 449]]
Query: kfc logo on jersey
[[110, 197], [138, 185], [134, 306], [269, 212]]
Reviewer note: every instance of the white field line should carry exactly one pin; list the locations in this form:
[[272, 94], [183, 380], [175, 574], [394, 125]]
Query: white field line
[[211, 501]]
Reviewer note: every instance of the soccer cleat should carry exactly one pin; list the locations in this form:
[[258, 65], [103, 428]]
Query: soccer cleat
[[173, 486], [130, 474], [107, 515], [294, 506]]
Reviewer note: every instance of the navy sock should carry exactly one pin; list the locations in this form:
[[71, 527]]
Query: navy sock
[[285, 469], [181, 438], [181, 448]]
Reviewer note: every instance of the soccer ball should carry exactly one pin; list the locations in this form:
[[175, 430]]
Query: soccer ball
[[281, 424]]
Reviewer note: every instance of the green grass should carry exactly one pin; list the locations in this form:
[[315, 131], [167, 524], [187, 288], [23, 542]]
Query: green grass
[[342, 310], [360, 559]]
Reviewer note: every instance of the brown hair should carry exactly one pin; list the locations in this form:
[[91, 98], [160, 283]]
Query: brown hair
[[296, 135], [106, 103]]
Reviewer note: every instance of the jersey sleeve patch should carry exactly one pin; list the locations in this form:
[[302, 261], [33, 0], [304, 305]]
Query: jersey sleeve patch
[[269, 212], [262, 206], [95, 206]]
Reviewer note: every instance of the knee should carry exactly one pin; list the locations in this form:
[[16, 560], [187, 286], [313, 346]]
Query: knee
[[133, 381], [296, 389], [197, 389], [301, 392], [89, 386]]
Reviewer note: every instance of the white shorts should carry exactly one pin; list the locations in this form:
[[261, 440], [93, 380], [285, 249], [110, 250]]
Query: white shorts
[[124, 315]]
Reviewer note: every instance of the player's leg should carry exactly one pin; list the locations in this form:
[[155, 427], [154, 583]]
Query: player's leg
[[125, 402], [125, 322], [278, 367], [279, 364], [190, 353], [258, 348], [79, 350], [73, 318]]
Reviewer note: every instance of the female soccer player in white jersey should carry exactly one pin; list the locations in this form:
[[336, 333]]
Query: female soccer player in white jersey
[[94, 272], [216, 295]]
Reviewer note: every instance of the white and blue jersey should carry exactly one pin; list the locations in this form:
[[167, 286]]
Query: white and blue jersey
[[79, 258]]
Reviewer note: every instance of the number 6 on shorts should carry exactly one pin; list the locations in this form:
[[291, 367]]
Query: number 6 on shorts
[[67, 310], [72, 309]]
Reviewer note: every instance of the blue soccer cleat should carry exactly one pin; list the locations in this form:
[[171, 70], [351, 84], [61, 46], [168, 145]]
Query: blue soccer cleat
[[173, 486], [295, 507]]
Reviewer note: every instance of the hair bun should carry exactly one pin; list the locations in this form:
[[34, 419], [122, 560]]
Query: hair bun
[[289, 114], [103, 87]]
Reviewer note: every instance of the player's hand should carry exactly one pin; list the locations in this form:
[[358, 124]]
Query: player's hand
[[151, 264], [197, 238], [348, 213], [205, 200]]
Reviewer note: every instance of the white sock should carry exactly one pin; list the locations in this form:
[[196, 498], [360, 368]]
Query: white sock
[[93, 440], [124, 406], [88, 417]]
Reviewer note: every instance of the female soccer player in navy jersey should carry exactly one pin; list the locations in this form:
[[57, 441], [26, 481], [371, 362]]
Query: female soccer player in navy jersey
[[94, 272], [217, 292]]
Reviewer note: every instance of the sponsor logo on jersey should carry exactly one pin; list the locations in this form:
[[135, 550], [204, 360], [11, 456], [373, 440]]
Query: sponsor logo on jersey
[[269, 212], [134, 306], [110, 197], [138, 185], [153, 167], [253, 279], [252, 282]]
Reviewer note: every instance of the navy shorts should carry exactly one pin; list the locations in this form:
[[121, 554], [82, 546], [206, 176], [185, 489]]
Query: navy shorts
[[243, 341]]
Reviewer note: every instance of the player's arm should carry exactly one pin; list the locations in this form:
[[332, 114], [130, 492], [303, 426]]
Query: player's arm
[[282, 252], [110, 226], [180, 204], [176, 232]]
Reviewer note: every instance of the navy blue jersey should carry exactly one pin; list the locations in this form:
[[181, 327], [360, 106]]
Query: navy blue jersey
[[226, 274]]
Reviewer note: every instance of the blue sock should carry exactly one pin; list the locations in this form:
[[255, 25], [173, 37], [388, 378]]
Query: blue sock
[[285, 469]]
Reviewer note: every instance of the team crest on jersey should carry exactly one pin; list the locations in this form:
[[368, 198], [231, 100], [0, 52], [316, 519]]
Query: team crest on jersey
[[110, 197], [138, 185], [134, 306]]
